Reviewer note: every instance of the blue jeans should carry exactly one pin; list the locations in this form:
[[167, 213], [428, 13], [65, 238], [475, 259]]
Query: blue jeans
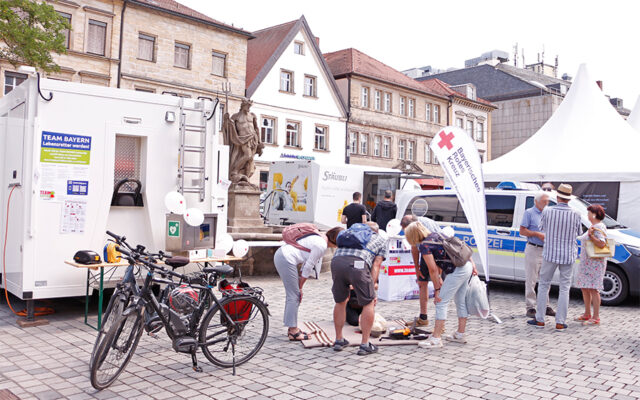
[[455, 287]]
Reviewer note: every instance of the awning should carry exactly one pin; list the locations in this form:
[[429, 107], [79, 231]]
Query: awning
[[432, 182]]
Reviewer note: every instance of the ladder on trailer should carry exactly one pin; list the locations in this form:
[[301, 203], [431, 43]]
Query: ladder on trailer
[[194, 145]]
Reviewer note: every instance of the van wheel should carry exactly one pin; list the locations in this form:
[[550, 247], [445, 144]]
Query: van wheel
[[616, 286]]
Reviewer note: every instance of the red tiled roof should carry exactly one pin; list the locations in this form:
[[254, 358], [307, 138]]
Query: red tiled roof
[[262, 46], [352, 61], [439, 86], [175, 7]]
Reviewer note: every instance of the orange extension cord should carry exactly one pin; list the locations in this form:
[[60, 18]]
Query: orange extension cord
[[39, 311]]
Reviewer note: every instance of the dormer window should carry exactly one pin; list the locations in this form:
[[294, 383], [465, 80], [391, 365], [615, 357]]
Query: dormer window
[[298, 48]]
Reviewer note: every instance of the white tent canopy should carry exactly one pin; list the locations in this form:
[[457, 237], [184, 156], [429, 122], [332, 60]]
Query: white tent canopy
[[585, 140], [634, 117]]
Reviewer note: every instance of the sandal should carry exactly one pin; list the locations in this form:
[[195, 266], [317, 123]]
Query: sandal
[[592, 321], [583, 318], [294, 337]]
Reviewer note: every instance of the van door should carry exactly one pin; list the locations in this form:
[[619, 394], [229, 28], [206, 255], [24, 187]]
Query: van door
[[501, 235]]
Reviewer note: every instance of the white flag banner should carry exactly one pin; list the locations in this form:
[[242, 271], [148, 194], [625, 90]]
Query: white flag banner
[[459, 157]]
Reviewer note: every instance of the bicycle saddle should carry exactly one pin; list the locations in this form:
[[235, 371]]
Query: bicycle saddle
[[176, 261], [222, 269]]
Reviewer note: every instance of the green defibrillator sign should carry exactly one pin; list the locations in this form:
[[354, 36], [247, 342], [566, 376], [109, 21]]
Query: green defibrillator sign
[[173, 230]]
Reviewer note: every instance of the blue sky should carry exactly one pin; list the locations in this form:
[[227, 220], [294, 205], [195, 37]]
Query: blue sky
[[405, 34]]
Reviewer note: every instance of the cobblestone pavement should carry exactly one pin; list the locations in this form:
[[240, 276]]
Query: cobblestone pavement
[[505, 361]]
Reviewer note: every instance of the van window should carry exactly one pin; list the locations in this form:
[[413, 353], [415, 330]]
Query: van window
[[500, 210], [530, 202], [442, 208]]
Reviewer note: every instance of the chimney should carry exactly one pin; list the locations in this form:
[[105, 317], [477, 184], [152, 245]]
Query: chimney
[[599, 84]]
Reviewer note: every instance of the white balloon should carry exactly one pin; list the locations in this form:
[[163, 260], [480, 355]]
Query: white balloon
[[240, 248], [448, 231], [193, 216], [175, 202], [224, 242], [393, 227]]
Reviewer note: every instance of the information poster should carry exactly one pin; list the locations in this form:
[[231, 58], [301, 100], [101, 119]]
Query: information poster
[[64, 166], [73, 216], [397, 280]]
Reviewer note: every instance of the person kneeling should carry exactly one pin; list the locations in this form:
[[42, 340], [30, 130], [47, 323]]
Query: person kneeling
[[454, 287], [358, 267]]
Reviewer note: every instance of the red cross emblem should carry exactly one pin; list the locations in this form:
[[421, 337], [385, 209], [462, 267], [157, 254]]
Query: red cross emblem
[[445, 140]]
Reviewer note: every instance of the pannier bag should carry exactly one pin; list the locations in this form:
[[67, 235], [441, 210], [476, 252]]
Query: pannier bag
[[238, 310], [86, 257], [292, 233], [356, 237], [458, 251]]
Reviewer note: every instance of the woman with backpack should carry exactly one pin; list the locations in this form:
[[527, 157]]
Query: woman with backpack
[[304, 244], [454, 286]]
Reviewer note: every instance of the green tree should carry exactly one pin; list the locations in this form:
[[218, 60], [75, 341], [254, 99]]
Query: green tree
[[30, 30]]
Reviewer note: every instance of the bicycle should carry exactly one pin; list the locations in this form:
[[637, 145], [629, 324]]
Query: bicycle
[[230, 332]]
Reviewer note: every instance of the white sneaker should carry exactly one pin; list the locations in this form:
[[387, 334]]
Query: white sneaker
[[431, 343], [456, 337]]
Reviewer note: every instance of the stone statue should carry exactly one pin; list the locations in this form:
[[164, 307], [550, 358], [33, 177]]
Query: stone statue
[[242, 135]]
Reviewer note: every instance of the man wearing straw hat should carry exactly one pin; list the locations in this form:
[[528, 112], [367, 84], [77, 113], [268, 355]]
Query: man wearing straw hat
[[561, 226]]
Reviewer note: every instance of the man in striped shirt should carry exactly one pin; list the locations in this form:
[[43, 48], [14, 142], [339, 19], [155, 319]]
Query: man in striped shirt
[[561, 226]]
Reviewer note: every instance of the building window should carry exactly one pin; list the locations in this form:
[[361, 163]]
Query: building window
[[181, 55], [378, 100], [310, 86], [459, 123], [97, 37], [410, 150], [401, 149], [434, 158], [376, 146], [387, 102], [144, 90], [298, 48], [321, 138], [412, 108], [470, 128], [66, 32], [146, 47], [365, 97], [267, 130], [286, 81], [219, 63], [427, 153], [12, 79], [293, 133], [221, 117], [386, 147], [427, 111], [436, 114], [364, 144], [480, 131], [403, 105], [353, 143]]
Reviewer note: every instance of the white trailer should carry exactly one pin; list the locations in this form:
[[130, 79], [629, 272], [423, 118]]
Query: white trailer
[[61, 158], [307, 191]]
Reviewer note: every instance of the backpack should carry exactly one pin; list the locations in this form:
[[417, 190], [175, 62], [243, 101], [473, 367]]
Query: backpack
[[458, 251], [356, 237], [292, 233]]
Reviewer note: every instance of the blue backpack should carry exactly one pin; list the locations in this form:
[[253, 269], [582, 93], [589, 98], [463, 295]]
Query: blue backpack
[[356, 237]]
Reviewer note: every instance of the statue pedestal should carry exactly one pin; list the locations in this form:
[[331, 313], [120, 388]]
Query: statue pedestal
[[244, 212]]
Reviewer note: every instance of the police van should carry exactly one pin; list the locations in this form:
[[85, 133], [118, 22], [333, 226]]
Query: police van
[[505, 209]]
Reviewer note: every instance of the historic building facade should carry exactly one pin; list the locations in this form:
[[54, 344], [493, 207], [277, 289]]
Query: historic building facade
[[157, 46], [392, 118], [300, 111]]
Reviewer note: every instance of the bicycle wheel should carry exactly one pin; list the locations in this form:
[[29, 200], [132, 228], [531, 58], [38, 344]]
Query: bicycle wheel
[[116, 349], [115, 308], [223, 340]]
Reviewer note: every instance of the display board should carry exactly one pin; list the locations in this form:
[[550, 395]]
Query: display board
[[397, 280]]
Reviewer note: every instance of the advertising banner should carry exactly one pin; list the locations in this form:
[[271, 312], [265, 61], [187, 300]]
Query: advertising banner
[[289, 189], [64, 166], [459, 157], [397, 280]]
